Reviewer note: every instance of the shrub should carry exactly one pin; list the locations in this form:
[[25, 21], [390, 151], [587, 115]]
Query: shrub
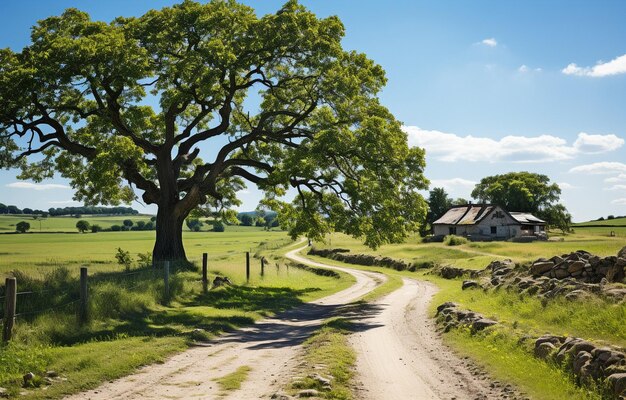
[[96, 228], [144, 259], [218, 226], [194, 224], [82, 226], [116, 228], [453, 240], [124, 258]]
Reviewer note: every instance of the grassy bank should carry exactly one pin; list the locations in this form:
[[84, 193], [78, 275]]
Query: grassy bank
[[500, 351]]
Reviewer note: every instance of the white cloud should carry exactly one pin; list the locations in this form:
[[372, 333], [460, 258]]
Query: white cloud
[[616, 179], [566, 186], [451, 147], [491, 42], [601, 69], [604, 167], [523, 68], [617, 187], [36, 186], [593, 144], [620, 202], [452, 183]]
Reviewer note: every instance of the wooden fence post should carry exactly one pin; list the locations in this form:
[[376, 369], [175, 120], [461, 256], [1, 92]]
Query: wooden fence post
[[9, 308], [247, 266], [166, 280], [205, 277], [83, 310], [262, 266]]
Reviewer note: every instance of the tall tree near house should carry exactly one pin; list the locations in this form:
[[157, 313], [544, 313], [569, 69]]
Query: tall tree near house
[[82, 95], [525, 191], [438, 204]]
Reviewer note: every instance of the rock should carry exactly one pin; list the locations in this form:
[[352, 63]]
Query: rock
[[561, 273], [543, 350], [541, 267], [576, 266], [616, 294], [3, 393], [281, 396], [622, 252], [52, 374], [446, 305], [28, 377], [319, 378], [469, 285], [483, 323], [448, 272], [221, 281], [617, 382], [577, 295], [308, 393]]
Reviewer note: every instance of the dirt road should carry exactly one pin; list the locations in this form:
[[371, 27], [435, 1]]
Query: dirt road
[[269, 348], [399, 354]]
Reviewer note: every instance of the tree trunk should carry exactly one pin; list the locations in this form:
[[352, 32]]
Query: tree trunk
[[169, 235]]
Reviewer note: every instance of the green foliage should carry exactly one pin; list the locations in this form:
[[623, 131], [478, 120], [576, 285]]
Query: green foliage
[[194, 224], [123, 258], [116, 228], [517, 191], [557, 217], [22, 227], [95, 228], [144, 259], [246, 219], [218, 226], [318, 119], [454, 240], [83, 226]]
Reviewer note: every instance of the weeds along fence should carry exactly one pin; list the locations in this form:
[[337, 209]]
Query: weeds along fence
[[25, 298]]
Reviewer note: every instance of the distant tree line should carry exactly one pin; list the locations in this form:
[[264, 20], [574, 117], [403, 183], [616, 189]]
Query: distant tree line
[[91, 210], [87, 210], [11, 209]]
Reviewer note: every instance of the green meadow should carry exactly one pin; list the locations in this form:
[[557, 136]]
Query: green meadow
[[128, 308]]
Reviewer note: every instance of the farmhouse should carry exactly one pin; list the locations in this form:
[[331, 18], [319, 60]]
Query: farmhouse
[[486, 221]]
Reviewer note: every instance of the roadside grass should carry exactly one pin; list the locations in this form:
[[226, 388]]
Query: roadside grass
[[234, 380], [592, 319], [328, 353], [131, 310], [506, 359]]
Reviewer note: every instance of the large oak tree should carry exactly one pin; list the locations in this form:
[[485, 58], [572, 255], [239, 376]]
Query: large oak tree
[[182, 105]]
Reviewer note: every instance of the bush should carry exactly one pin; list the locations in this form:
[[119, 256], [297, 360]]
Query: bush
[[116, 228], [218, 226], [144, 259], [96, 228], [124, 258], [82, 226], [454, 240], [194, 224]]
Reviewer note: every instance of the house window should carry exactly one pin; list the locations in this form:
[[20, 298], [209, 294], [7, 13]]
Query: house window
[[452, 230], [494, 230]]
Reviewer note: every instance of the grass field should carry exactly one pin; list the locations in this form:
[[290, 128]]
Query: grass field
[[607, 222], [130, 311], [65, 223]]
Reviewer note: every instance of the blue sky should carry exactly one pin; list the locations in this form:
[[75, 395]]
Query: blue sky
[[486, 87]]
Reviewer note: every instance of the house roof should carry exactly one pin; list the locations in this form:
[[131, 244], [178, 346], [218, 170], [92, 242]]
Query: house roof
[[526, 218], [471, 214]]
